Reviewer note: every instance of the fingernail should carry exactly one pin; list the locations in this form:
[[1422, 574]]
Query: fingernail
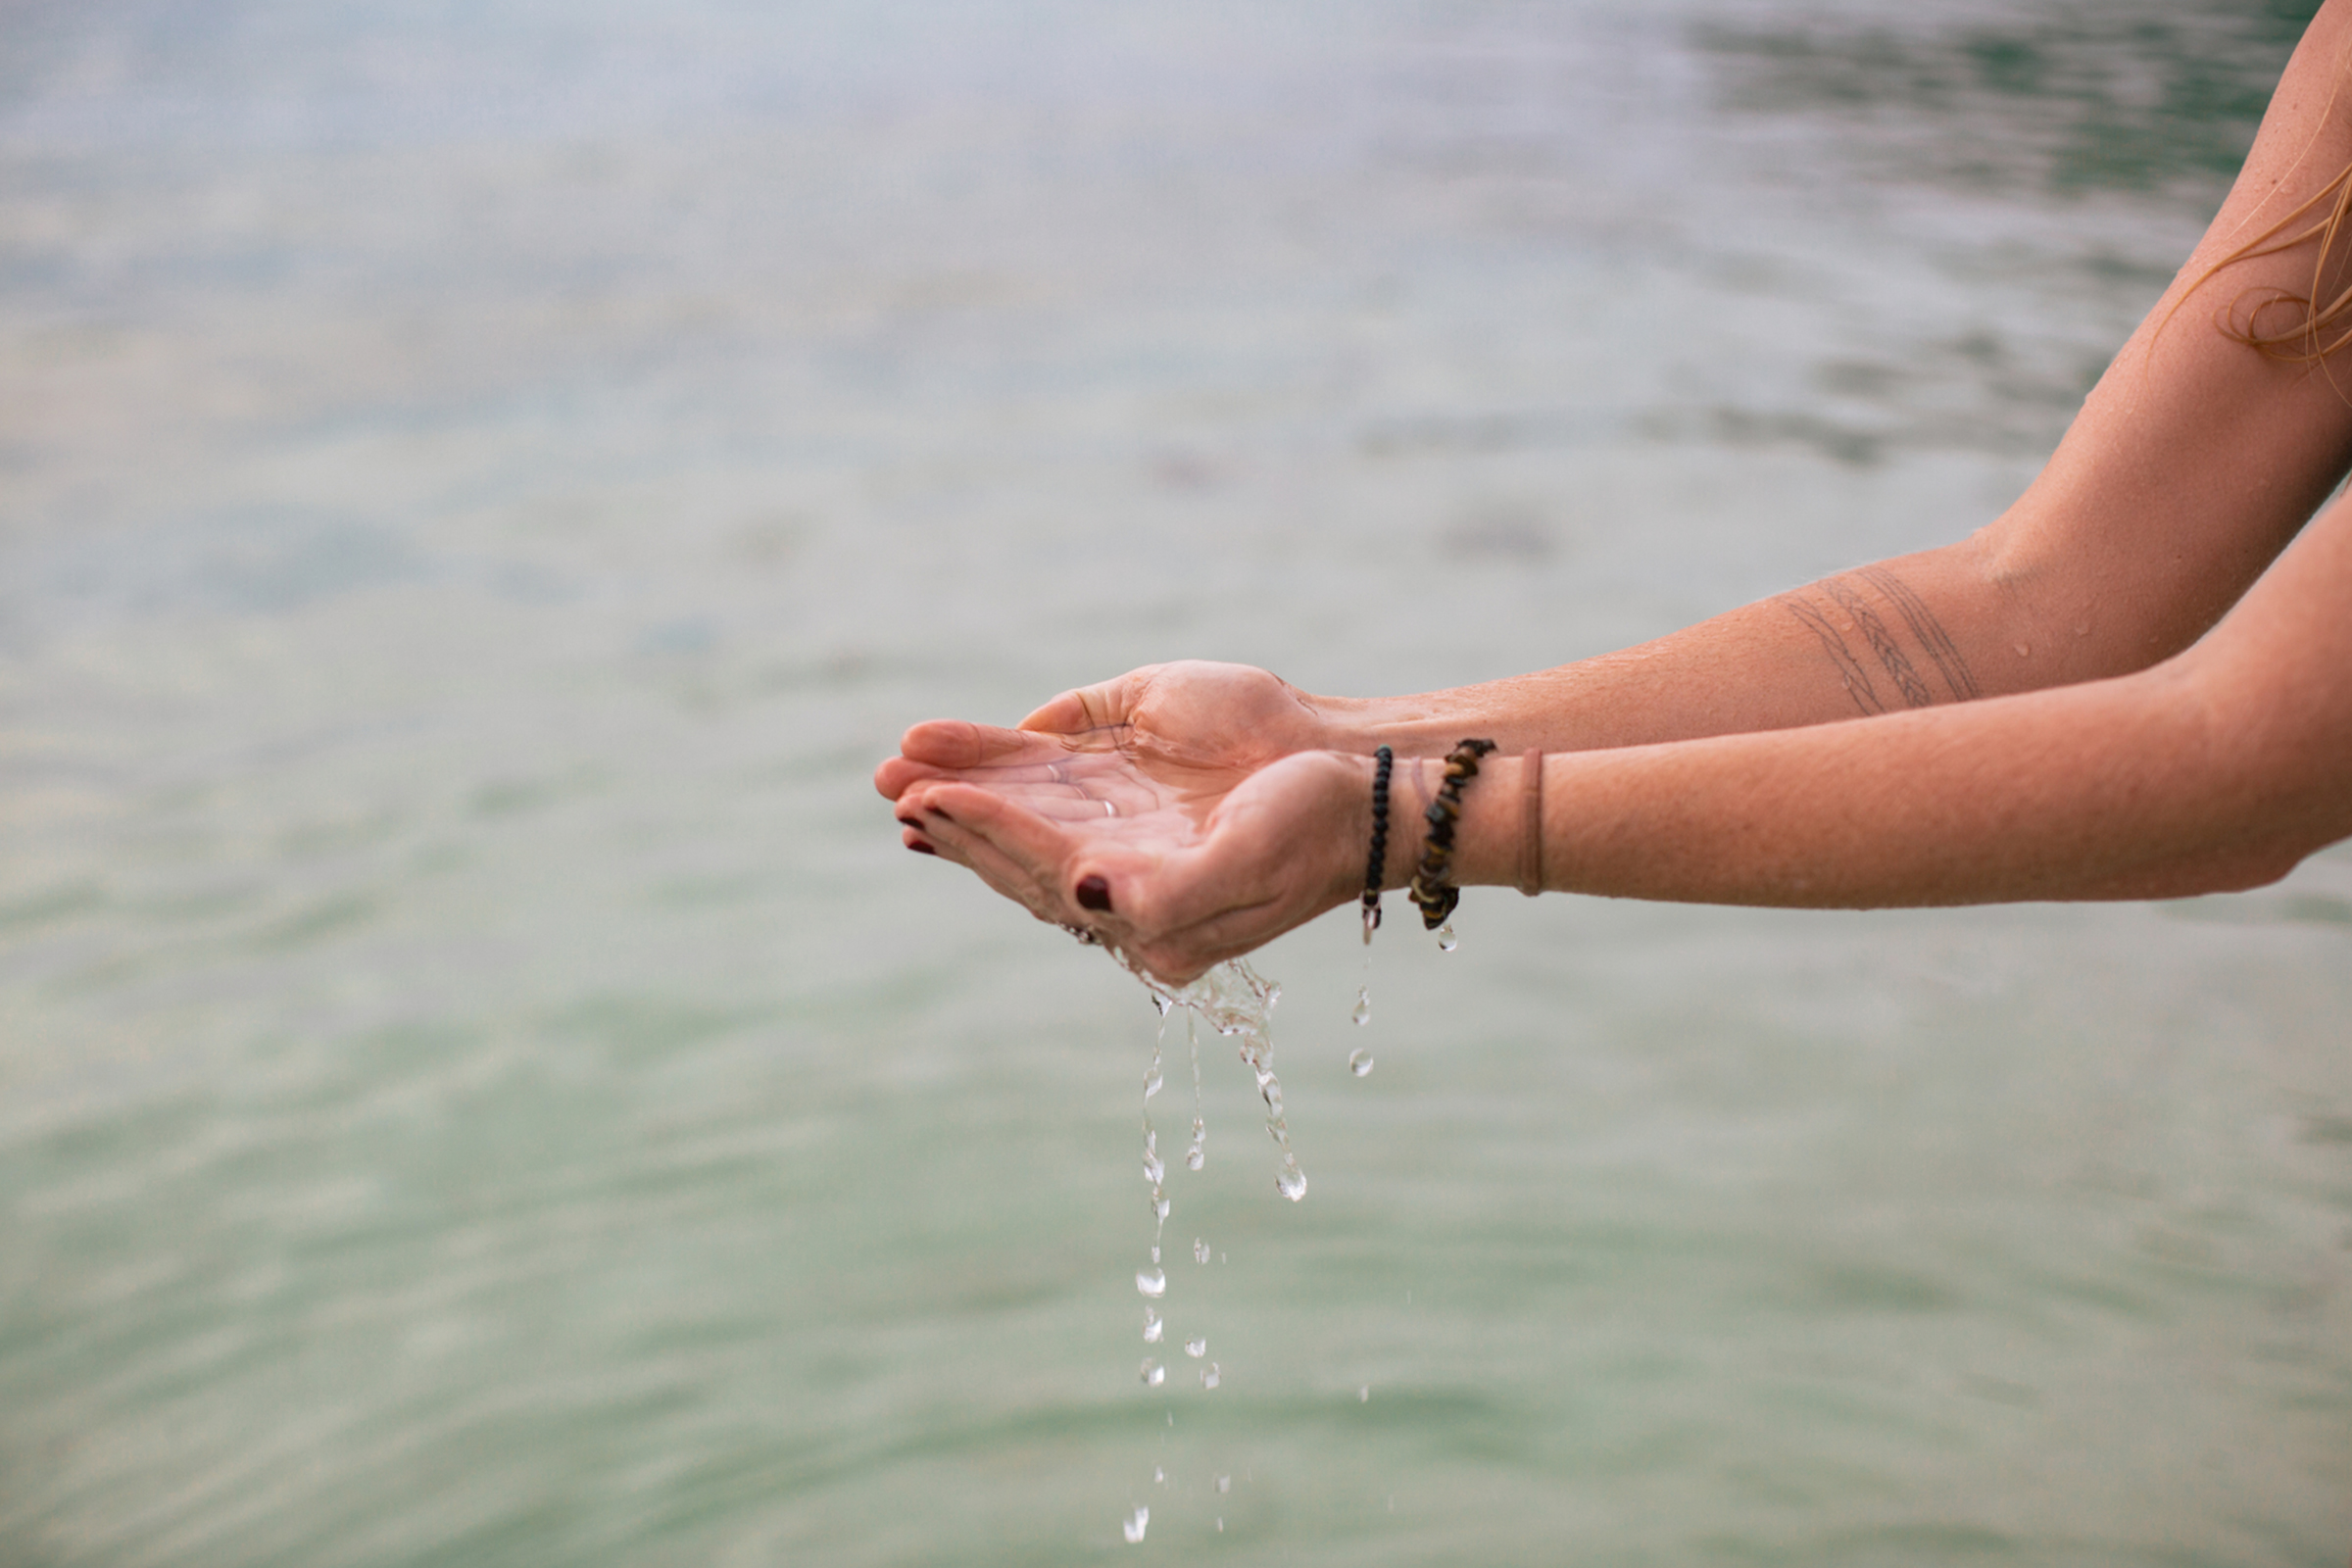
[[1094, 893], [922, 849], [942, 815], [909, 822]]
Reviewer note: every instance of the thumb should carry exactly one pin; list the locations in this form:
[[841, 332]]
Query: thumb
[[1101, 706]]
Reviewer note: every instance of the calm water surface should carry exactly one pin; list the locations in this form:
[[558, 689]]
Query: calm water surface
[[480, 1084]]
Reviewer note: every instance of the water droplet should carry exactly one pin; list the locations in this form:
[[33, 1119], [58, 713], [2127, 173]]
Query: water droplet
[[1210, 1377], [1290, 1182], [1159, 1207], [1154, 1327], [1265, 1076], [1196, 1157], [1195, 1349], [1154, 1252], [1273, 997], [1152, 1084], [1220, 1525], [1199, 1250], [1135, 1527], [1153, 1374], [1224, 1483], [1162, 1003], [1359, 1061], [1152, 1283], [1363, 1396], [1363, 1005], [1160, 1477], [1447, 940], [1154, 1170]]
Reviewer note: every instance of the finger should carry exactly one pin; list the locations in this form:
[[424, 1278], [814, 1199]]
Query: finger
[[1105, 704], [957, 743], [1079, 879], [1013, 851]]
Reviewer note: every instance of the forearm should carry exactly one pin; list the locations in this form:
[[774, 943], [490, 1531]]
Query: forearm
[[1917, 631], [2214, 771], [2081, 792], [2192, 463]]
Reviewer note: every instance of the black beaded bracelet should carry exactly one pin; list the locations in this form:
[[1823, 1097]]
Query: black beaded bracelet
[[1378, 864], [1433, 890]]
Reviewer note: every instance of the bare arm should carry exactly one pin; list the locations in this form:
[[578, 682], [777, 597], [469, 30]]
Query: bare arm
[[2125, 745], [2216, 769], [2190, 465]]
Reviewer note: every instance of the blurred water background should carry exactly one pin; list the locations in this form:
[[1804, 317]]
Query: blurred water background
[[480, 1082]]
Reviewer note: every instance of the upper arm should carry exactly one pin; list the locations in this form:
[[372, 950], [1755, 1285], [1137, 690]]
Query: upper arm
[[2196, 458]]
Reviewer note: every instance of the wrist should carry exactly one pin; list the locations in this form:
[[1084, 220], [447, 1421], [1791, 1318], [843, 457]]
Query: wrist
[[1487, 833]]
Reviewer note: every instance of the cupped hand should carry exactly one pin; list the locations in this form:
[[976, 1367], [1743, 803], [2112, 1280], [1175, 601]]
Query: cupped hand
[[1186, 727], [1178, 879]]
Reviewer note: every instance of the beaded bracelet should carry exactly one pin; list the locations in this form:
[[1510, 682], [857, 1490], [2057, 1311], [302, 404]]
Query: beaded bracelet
[[1377, 863], [1430, 890]]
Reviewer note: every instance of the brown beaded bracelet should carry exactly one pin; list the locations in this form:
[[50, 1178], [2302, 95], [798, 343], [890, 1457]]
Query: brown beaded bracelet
[[1433, 891]]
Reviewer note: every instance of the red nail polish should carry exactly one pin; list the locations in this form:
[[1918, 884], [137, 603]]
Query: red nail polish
[[909, 822], [922, 849], [1094, 893]]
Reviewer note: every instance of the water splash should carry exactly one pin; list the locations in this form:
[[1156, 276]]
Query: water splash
[[1198, 1155], [1135, 1527], [1237, 1002]]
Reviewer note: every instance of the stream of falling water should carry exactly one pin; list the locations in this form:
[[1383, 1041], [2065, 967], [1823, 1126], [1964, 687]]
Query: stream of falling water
[[1237, 1002]]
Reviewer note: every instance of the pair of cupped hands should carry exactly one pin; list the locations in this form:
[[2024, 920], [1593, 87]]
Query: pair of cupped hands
[[1183, 813]]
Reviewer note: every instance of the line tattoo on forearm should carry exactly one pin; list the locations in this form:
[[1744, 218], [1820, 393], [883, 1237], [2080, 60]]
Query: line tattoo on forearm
[[1882, 643], [1926, 629], [1886, 651], [1849, 669]]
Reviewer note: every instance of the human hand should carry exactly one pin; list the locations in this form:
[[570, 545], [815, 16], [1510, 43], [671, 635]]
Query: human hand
[[1177, 877], [1187, 725]]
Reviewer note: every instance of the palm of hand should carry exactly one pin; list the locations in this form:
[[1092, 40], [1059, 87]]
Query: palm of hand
[[1181, 877], [1163, 811], [1162, 734]]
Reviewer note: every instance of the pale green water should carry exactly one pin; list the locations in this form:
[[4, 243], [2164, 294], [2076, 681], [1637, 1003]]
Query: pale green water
[[480, 1082]]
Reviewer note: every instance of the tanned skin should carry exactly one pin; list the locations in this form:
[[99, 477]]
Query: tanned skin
[[2128, 685]]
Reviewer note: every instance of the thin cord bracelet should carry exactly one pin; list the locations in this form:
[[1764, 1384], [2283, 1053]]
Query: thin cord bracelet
[[1433, 888], [1378, 863], [1531, 822]]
